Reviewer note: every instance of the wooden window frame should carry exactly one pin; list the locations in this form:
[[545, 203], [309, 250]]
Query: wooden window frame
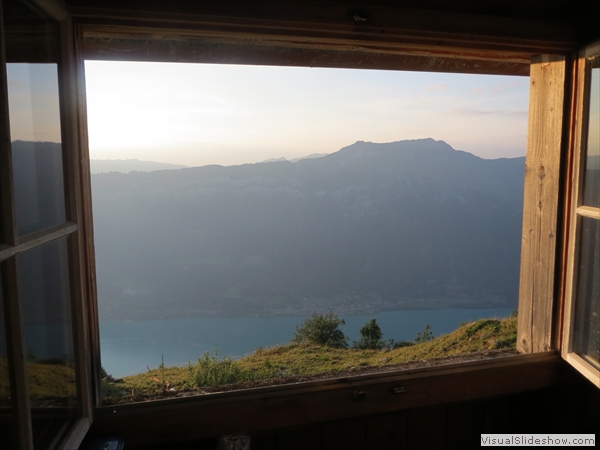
[[574, 198], [403, 39], [331, 399], [71, 230]]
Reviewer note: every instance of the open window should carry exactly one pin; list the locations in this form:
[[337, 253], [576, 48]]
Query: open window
[[547, 144], [46, 397], [581, 333]]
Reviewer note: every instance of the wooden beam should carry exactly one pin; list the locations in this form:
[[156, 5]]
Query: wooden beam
[[144, 46], [85, 218], [19, 381], [546, 139], [79, 278], [7, 207], [339, 20], [38, 238], [322, 34]]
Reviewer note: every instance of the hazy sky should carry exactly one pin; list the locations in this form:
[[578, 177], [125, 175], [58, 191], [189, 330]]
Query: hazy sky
[[198, 114], [33, 102]]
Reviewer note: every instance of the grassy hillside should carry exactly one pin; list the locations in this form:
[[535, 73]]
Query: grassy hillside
[[49, 384], [292, 362]]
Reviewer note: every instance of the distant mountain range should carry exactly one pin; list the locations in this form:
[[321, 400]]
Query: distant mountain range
[[129, 165], [408, 224], [311, 156], [136, 165]]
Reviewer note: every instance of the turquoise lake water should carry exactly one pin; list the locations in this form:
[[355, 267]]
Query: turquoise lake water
[[128, 347]]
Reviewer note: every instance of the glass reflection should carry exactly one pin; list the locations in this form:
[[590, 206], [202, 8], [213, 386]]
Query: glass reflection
[[586, 335], [44, 288], [36, 148], [31, 47], [591, 190]]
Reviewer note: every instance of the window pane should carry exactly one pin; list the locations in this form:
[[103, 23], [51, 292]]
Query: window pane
[[34, 114], [591, 190], [37, 152], [44, 289], [587, 302], [6, 407]]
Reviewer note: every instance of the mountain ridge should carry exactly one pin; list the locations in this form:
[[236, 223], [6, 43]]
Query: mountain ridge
[[130, 165], [410, 224]]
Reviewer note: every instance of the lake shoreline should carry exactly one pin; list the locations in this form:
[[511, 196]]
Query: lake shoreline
[[129, 347], [419, 305]]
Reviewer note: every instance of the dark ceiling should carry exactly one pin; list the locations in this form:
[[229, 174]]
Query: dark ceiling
[[580, 15], [559, 10]]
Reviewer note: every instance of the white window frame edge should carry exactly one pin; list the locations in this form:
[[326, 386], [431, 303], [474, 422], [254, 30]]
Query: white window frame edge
[[580, 119]]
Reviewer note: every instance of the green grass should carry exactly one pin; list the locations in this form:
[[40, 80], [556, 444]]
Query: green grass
[[307, 359], [49, 383]]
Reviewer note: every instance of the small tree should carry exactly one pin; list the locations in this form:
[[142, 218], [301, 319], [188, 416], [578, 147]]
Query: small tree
[[322, 329], [426, 336], [371, 336]]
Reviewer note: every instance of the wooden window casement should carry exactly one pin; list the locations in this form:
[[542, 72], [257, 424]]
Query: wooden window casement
[[44, 333], [67, 241], [581, 319]]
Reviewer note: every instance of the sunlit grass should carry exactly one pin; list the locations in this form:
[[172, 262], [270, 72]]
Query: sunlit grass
[[306, 360]]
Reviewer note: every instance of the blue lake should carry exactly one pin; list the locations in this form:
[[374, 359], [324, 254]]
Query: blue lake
[[128, 347]]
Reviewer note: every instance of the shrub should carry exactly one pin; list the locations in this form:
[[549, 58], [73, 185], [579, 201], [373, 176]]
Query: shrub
[[371, 336], [322, 329], [425, 336], [210, 371], [492, 324], [399, 344]]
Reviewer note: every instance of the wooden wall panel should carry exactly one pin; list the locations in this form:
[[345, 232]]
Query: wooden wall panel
[[542, 176], [301, 438], [426, 428], [266, 441], [385, 432], [344, 435], [495, 415], [464, 422]]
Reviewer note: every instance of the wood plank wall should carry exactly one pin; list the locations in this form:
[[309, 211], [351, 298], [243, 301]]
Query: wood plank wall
[[571, 408]]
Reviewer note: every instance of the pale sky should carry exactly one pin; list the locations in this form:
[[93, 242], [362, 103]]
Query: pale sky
[[33, 102], [198, 114]]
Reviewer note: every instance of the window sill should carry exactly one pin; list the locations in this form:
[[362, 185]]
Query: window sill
[[291, 405]]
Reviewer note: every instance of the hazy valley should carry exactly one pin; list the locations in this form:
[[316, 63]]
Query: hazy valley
[[372, 227]]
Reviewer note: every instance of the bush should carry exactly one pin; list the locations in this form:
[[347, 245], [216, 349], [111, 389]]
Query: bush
[[371, 337], [322, 329], [399, 344], [210, 371], [425, 336]]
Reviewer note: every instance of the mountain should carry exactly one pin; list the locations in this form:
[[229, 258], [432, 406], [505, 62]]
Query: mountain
[[408, 224], [129, 165], [38, 185], [311, 156]]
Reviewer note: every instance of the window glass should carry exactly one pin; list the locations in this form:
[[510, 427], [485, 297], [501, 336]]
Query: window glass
[[36, 148], [34, 119], [586, 336], [591, 189], [44, 291]]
